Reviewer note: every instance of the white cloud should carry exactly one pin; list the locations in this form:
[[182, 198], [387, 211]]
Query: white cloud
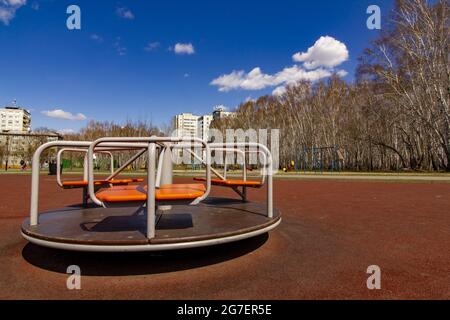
[[184, 48], [8, 9], [14, 2], [256, 80], [279, 91], [342, 73], [6, 15], [295, 74], [318, 63], [61, 114], [221, 107], [151, 46], [96, 37], [230, 81], [125, 13], [326, 52], [121, 50], [66, 131]]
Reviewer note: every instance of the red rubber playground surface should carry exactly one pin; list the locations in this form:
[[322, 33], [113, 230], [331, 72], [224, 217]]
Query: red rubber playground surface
[[330, 233]]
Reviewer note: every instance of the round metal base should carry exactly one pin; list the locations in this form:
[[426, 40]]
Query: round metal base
[[212, 222]]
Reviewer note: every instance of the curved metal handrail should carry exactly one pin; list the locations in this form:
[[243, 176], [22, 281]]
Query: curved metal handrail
[[268, 173], [58, 162], [34, 201], [241, 152], [149, 141]]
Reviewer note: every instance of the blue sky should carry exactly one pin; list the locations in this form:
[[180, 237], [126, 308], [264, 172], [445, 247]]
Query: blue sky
[[123, 63]]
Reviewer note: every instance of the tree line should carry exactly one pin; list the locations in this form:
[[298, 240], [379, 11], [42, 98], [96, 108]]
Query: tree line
[[394, 116]]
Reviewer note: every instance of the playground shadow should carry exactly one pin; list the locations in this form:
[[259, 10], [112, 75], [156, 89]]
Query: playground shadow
[[138, 263]]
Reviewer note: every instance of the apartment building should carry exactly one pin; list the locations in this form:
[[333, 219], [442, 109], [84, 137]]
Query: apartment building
[[14, 119], [186, 125], [18, 146], [203, 124], [190, 125], [221, 112]]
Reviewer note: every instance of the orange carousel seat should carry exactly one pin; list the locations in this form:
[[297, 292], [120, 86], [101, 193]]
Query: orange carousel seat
[[164, 193], [82, 183], [233, 183]]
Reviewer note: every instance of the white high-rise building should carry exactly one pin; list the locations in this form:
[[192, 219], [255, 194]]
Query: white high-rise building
[[204, 122], [190, 125], [186, 125], [14, 119]]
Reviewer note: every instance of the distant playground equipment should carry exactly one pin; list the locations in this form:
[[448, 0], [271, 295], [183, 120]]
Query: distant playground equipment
[[124, 215], [320, 159]]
